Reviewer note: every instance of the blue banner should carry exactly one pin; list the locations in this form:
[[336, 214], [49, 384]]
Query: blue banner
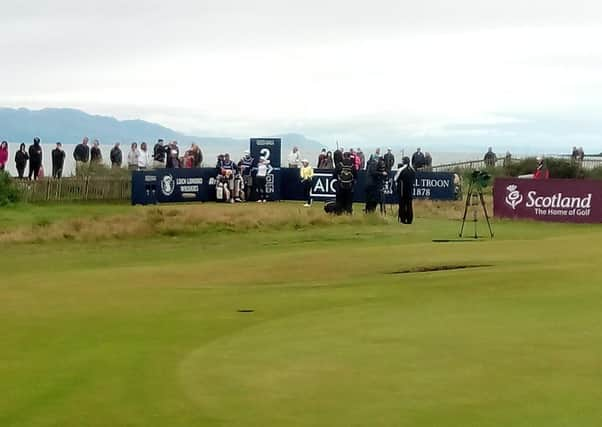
[[198, 185]]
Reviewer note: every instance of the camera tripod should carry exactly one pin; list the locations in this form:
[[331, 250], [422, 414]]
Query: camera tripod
[[474, 198]]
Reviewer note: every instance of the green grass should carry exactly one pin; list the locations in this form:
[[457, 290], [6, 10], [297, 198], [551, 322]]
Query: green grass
[[145, 331]]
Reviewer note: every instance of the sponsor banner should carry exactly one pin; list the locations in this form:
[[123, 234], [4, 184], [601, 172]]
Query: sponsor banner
[[557, 200], [428, 185], [190, 185], [173, 185]]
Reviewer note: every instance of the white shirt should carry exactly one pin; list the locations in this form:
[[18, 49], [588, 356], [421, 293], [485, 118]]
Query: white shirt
[[133, 157], [294, 158], [262, 170], [144, 159]]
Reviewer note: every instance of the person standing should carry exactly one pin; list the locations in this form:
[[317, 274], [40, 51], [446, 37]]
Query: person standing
[[95, 153], [376, 176], [362, 157], [307, 175], [133, 157], [159, 154], [144, 157], [389, 160], [197, 156], [173, 155], [21, 158], [327, 162], [418, 159], [294, 158], [405, 179], [337, 157], [245, 166], [3, 155], [321, 157], [490, 158], [345, 174], [81, 154], [116, 156], [542, 171], [58, 161], [261, 180], [35, 159]]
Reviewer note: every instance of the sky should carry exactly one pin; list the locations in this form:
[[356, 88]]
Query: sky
[[515, 74]]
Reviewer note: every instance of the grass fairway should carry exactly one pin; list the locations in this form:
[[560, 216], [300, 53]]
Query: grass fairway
[[143, 328]]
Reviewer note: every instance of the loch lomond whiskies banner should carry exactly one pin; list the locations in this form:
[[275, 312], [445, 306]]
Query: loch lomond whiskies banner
[[558, 200]]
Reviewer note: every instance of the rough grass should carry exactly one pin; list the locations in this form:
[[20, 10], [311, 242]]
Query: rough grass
[[90, 225]]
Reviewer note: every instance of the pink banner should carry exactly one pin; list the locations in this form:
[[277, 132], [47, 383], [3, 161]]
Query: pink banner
[[558, 200]]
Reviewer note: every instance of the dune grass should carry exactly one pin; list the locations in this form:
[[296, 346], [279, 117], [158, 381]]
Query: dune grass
[[285, 317]]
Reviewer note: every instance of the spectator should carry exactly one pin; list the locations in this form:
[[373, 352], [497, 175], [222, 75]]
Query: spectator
[[418, 160], [144, 157], [294, 158], [35, 159], [575, 155], [389, 160], [357, 161], [428, 160], [116, 156], [405, 178], [337, 157], [321, 157], [58, 161], [95, 153], [542, 171], [173, 155], [261, 180], [345, 174], [362, 157], [133, 157], [490, 158], [581, 155], [376, 176], [328, 162], [159, 155], [3, 155], [81, 154], [197, 155], [307, 175], [508, 160], [245, 166], [21, 158]]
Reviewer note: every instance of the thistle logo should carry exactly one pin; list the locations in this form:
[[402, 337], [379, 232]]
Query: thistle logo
[[514, 197], [168, 185]]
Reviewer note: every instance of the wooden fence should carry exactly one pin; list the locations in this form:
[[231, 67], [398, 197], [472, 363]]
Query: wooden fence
[[588, 163], [76, 189]]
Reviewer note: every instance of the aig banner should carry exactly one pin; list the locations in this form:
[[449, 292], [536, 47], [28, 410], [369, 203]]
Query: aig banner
[[557, 200], [428, 185], [269, 149]]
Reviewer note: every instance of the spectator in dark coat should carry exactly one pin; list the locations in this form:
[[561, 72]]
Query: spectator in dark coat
[[21, 158], [58, 161], [418, 160], [389, 160], [95, 153], [116, 156], [404, 180], [35, 159]]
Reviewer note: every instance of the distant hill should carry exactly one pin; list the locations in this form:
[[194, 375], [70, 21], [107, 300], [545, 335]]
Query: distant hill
[[69, 126]]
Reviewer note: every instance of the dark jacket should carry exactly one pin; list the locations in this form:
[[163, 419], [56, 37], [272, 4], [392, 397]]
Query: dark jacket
[[418, 160], [345, 164], [21, 159], [95, 155], [376, 174], [406, 178], [337, 157], [81, 153], [35, 154], [159, 153], [116, 156], [389, 161], [58, 158]]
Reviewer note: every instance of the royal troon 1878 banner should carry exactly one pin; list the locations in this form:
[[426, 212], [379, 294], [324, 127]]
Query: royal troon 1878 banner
[[556, 200]]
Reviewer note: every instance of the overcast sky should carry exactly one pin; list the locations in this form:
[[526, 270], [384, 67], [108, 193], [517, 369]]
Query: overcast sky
[[527, 71]]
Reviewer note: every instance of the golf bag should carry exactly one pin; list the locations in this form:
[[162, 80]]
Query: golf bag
[[222, 190], [330, 208]]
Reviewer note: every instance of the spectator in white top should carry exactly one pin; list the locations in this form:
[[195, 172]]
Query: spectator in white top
[[145, 157], [133, 157], [294, 158]]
